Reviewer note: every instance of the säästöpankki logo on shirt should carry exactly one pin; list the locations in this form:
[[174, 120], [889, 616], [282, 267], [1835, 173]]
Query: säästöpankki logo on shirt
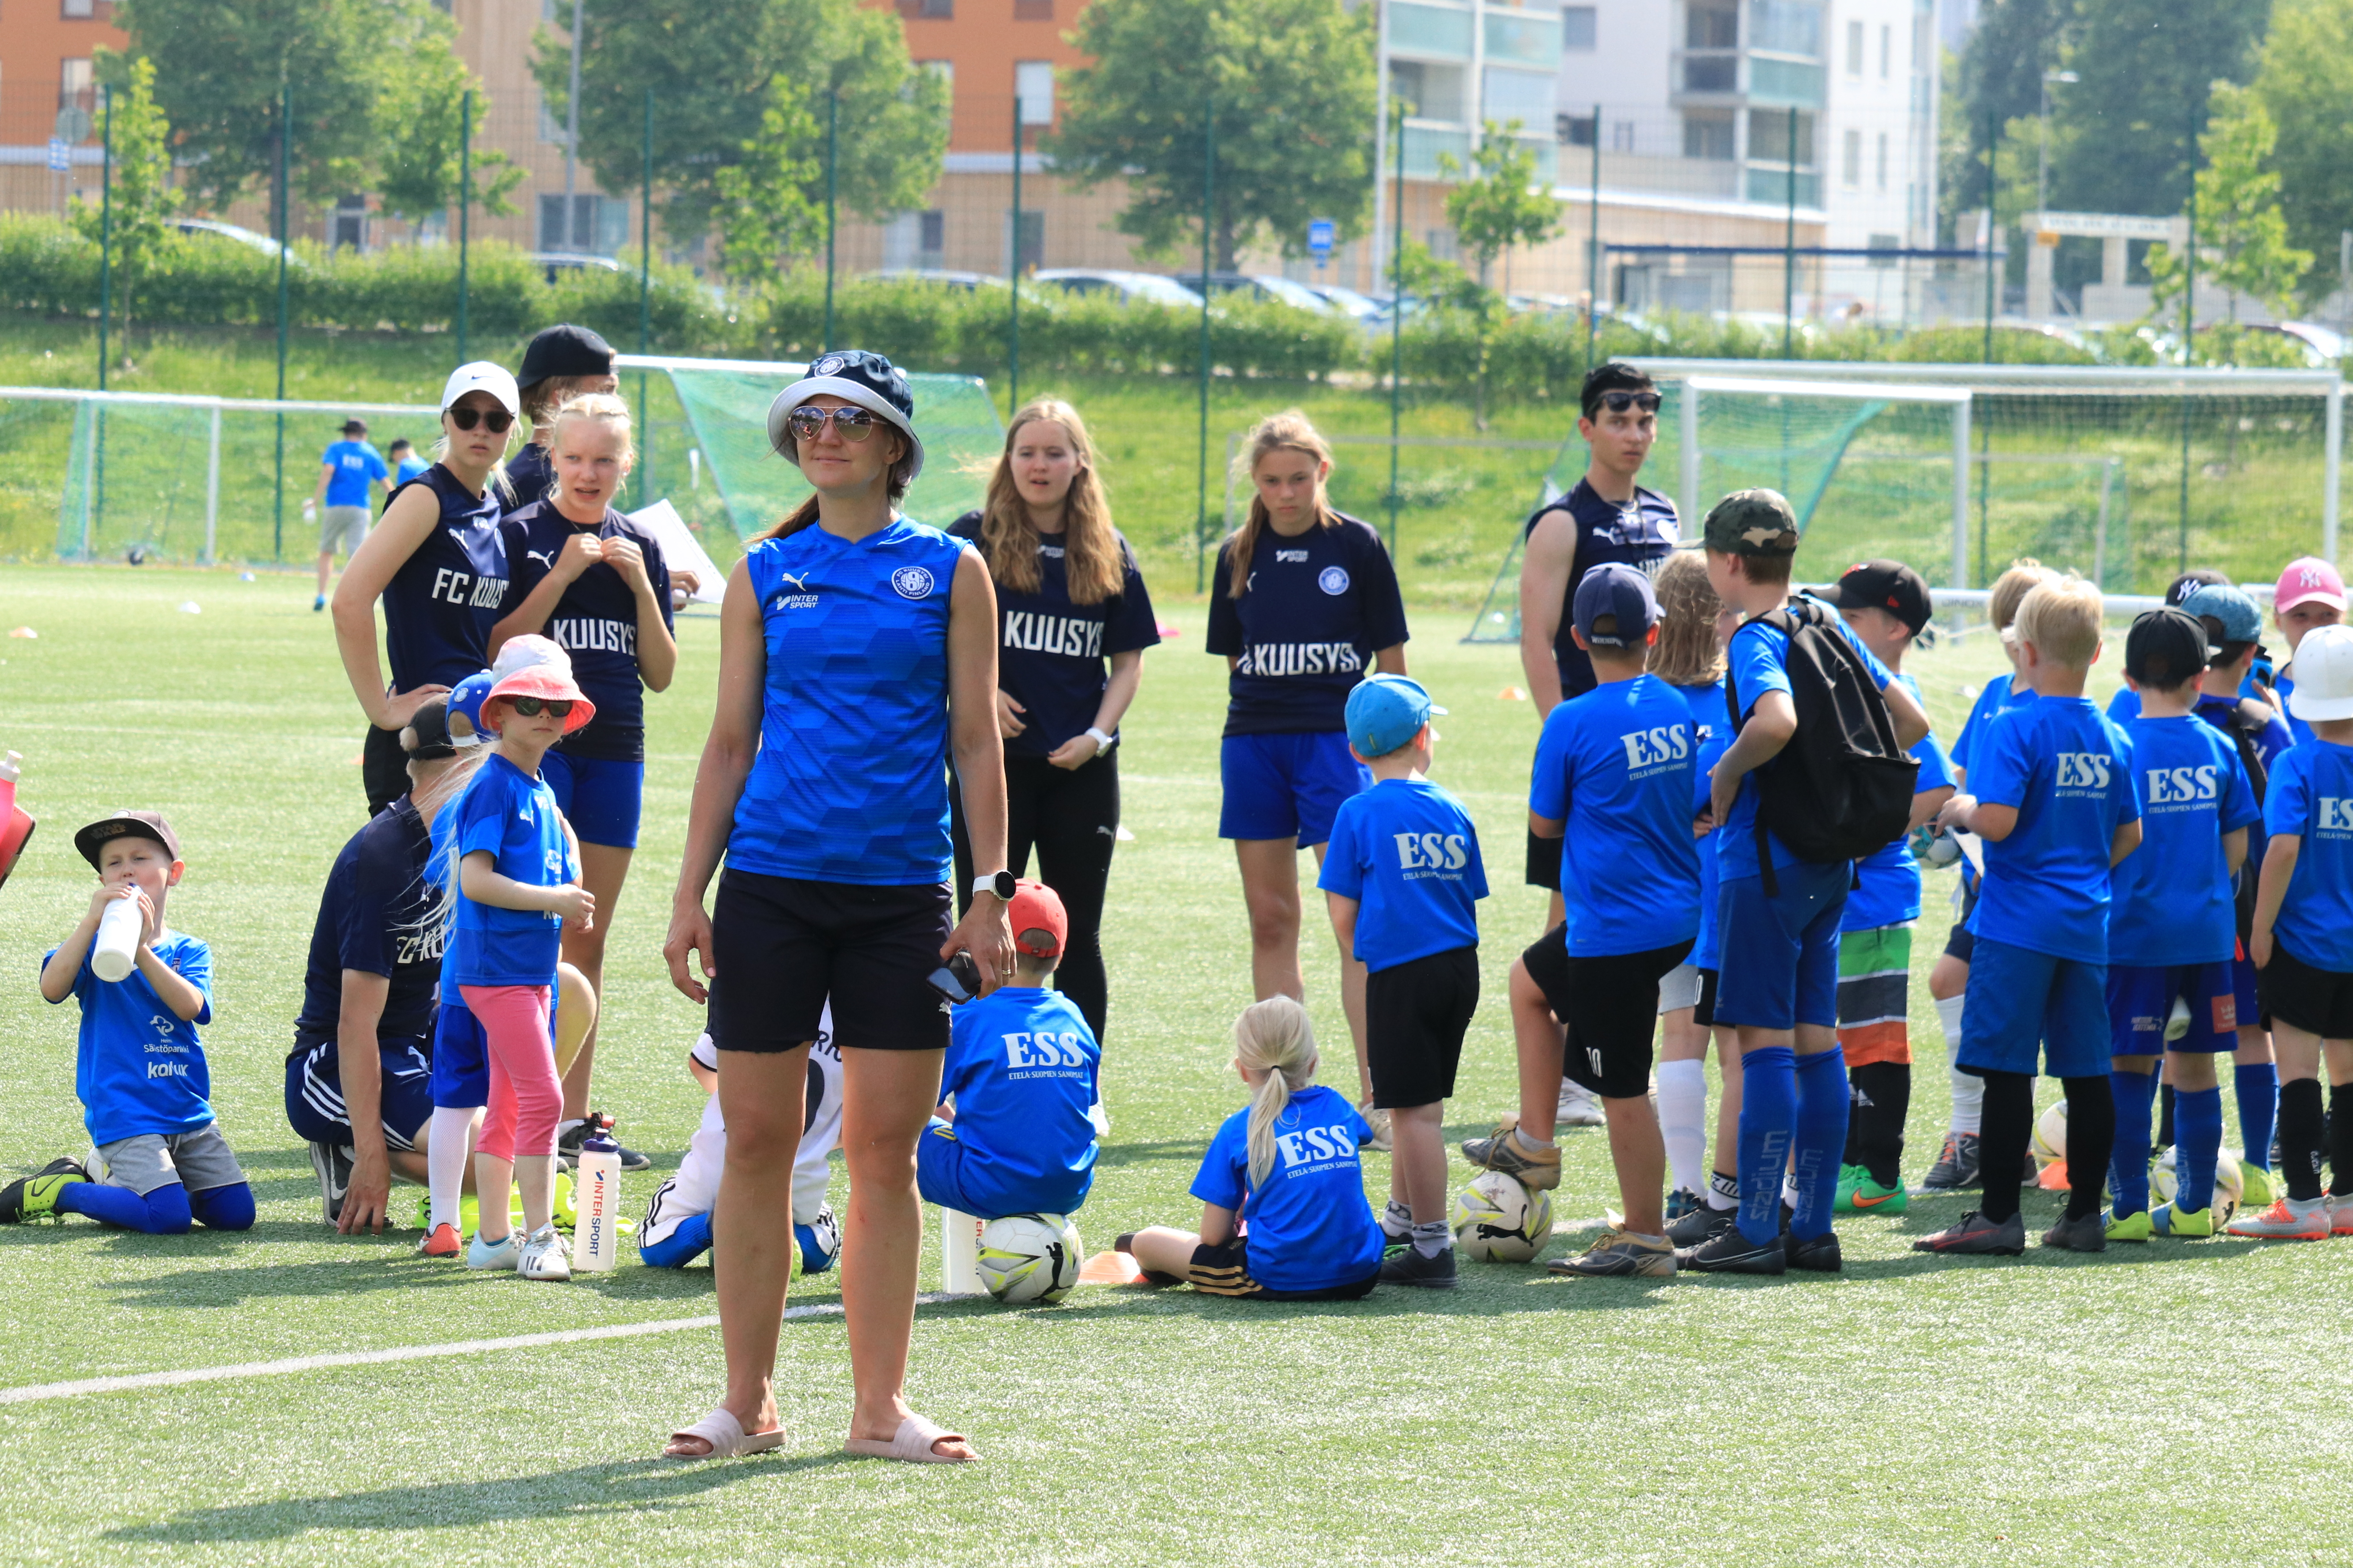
[[911, 582]]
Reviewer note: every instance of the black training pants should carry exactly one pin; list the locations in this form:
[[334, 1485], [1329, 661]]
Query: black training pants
[[1070, 817]]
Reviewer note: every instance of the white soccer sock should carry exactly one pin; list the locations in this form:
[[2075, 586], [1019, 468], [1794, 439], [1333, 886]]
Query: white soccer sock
[[1682, 1120], [449, 1143], [1968, 1090]]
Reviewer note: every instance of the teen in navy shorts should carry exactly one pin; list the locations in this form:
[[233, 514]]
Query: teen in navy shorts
[[1304, 605]]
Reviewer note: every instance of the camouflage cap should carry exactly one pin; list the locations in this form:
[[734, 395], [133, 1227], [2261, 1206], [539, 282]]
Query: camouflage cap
[[1752, 522]]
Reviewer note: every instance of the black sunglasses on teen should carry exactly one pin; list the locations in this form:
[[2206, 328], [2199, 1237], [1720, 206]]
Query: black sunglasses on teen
[[1619, 402], [498, 421]]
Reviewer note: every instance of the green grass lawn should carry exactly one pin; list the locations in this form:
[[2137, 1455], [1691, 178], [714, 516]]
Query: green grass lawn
[[2053, 1409]]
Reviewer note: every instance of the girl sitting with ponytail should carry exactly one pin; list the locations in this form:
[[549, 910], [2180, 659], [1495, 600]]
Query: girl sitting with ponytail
[[1285, 1167]]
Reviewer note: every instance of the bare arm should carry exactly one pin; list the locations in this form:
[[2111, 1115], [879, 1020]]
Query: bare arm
[[360, 1072], [1390, 661], [2234, 849], [1927, 803], [726, 762], [1119, 692], [2127, 840], [579, 553], [1545, 571], [1990, 822], [1768, 729], [1911, 718], [480, 879], [979, 761], [407, 524], [326, 472], [1344, 919], [170, 988], [2271, 891], [1216, 1224], [657, 648], [63, 966], [1547, 826]]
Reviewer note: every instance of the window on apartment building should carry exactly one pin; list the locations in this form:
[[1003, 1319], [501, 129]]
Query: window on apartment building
[[1032, 239], [1851, 159], [1577, 28], [74, 91], [1883, 249], [1033, 10], [599, 224], [1881, 180], [1768, 137], [1033, 89], [1621, 136], [1710, 27], [928, 10], [1786, 26], [1708, 136], [1573, 130], [78, 10], [1854, 48], [349, 228], [931, 237], [1886, 51]]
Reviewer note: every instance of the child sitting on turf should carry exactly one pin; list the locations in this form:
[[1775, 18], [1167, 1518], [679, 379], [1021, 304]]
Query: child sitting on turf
[[2172, 930], [1403, 877], [140, 1070], [2303, 945], [1285, 1168], [1019, 1113], [2052, 796]]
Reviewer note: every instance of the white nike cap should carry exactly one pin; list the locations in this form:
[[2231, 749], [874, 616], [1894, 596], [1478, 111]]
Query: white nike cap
[[483, 375]]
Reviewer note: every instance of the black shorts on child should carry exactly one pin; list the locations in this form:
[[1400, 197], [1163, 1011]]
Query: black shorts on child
[[2317, 1001], [1544, 862], [1610, 1007], [1225, 1271], [1704, 1014], [1416, 1014]]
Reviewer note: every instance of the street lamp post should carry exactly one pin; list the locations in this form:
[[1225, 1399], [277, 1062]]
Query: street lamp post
[[2043, 171]]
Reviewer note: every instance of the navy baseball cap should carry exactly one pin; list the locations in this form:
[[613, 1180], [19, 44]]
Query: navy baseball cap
[[2234, 615], [1385, 711], [1619, 592], [855, 375], [564, 350]]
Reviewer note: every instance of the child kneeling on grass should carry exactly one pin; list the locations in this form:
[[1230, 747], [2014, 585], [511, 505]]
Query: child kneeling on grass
[[1285, 1167], [140, 1070]]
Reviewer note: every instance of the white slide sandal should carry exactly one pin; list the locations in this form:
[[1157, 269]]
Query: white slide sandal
[[726, 1436], [913, 1443]]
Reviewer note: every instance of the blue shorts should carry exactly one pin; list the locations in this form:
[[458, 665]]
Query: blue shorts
[[2020, 1000], [1281, 785], [600, 797], [314, 1094], [461, 1059], [2141, 998], [939, 1176], [1781, 953]]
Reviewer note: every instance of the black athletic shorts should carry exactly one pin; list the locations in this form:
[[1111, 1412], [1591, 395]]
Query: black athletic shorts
[[2317, 1001], [1704, 1014], [1225, 1271], [1962, 943], [1416, 1014], [783, 944], [1609, 1006], [383, 768], [1543, 861]]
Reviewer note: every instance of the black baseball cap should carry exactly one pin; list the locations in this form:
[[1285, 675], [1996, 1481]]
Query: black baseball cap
[[2189, 582], [1887, 585], [1617, 375], [2166, 647], [430, 725], [1624, 595], [563, 350], [125, 825]]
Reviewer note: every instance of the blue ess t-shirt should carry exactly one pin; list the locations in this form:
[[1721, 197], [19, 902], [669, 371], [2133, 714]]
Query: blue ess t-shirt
[[407, 469], [513, 816], [1310, 1227], [2069, 772], [1640, 534], [139, 1067], [2173, 902], [596, 620], [1709, 723], [1758, 663], [850, 784], [355, 465], [1616, 765], [374, 917], [2282, 683], [2125, 707], [1888, 890], [1021, 1068], [1997, 697], [2312, 794], [1405, 851], [439, 607], [1304, 631]]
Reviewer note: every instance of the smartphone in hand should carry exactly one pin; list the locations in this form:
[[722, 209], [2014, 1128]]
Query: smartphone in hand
[[958, 979]]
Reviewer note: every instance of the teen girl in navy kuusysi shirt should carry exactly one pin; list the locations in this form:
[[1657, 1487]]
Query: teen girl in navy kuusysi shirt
[[1304, 605], [436, 560], [1070, 602]]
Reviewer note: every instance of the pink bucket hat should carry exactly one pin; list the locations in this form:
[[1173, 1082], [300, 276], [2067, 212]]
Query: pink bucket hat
[[534, 666]]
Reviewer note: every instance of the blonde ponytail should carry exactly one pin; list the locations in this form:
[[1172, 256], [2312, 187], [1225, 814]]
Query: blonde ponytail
[[1274, 1038]]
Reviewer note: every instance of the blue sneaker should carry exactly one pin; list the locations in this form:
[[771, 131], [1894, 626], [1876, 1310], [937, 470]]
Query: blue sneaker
[[820, 1241], [504, 1253]]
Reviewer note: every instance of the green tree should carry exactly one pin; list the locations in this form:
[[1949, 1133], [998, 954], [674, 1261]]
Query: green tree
[[1495, 205], [765, 210], [420, 112], [1292, 83], [2120, 138], [2306, 82], [134, 221], [711, 66], [2242, 242]]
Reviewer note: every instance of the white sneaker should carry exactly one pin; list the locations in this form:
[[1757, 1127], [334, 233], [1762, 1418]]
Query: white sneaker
[[493, 1255], [1579, 1106], [543, 1257], [1378, 1121], [2340, 1215]]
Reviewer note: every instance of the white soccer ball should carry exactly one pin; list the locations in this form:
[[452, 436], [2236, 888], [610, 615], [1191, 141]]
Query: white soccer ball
[[1498, 1220], [2049, 1144], [1030, 1258], [2230, 1183]]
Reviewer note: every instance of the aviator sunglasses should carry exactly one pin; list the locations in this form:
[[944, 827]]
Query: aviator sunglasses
[[497, 420], [854, 424]]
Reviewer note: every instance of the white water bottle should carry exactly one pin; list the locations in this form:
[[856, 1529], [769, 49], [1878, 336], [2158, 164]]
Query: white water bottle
[[115, 951], [596, 1195]]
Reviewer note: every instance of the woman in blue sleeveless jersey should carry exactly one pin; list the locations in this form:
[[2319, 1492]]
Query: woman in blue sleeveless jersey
[[855, 648], [436, 559]]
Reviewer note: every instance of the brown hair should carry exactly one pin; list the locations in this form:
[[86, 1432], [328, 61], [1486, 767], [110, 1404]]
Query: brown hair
[[540, 399], [2010, 590], [902, 475], [1686, 653], [1008, 539], [1290, 430]]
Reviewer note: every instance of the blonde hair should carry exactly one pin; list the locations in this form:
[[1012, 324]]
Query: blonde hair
[[542, 398], [1272, 1037], [2060, 617], [1290, 431], [1091, 561], [1686, 653], [2010, 590], [607, 408]]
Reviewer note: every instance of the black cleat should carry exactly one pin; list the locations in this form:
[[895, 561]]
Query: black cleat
[[568, 1147], [2089, 1234], [1975, 1233], [1411, 1268], [1815, 1255], [1957, 1169], [35, 1197], [1733, 1253], [1702, 1224]]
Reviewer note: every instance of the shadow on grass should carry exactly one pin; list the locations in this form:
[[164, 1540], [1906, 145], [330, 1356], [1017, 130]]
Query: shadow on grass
[[333, 1279], [621, 1486]]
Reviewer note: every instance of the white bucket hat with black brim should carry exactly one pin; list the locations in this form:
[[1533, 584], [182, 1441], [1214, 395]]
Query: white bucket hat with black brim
[[823, 379]]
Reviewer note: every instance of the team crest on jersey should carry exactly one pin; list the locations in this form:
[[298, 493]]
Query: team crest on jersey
[[911, 582], [1332, 580]]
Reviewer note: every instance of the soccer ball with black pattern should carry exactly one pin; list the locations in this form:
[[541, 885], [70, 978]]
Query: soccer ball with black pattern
[[1499, 1220], [1030, 1257]]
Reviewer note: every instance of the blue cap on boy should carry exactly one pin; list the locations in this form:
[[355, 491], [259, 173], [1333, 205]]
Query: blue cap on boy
[[1619, 592], [1385, 711]]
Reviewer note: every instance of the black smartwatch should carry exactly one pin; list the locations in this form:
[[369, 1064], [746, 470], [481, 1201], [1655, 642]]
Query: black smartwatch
[[999, 882]]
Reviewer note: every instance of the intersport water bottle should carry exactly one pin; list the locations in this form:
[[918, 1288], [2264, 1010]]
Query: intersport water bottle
[[115, 953], [597, 1194]]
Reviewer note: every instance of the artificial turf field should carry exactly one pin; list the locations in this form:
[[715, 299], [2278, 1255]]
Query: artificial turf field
[[2123, 1407]]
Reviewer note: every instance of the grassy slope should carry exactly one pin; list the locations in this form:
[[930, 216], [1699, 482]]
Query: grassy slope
[[1913, 1408]]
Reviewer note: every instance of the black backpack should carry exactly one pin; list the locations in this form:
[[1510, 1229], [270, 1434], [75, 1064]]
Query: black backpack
[[1841, 789]]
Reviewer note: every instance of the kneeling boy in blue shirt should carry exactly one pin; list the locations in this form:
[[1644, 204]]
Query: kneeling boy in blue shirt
[[1022, 1074], [2052, 793], [1403, 877]]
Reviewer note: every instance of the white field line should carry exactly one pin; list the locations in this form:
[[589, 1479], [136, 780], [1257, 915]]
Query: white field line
[[40, 1391]]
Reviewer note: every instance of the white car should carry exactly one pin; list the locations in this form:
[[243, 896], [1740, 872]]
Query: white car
[[1129, 287]]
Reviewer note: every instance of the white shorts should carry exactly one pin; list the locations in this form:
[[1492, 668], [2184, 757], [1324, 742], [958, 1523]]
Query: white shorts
[[695, 1187], [1679, 988]]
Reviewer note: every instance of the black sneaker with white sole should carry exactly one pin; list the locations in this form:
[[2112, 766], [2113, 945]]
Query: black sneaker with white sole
[[1733, 1253], [332, 1164], [1412, 1267], [1815, 1255], [1702, 1224], [1957, 1169], [567, 1144]]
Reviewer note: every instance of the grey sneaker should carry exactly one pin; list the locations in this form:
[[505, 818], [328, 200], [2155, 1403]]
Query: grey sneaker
[[1955, 1169], [1579, 1106], [1378, 1121], [1410, 1267], [333, 1166], [1536, 1169], [1619, 1254]]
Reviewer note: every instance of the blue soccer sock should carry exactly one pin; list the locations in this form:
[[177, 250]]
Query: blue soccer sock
[[682, 1246], [1769, 1115], [223, 1208], [1818, 1137], [2257, 1085], [2198, 1124], [164, 1212], [2136, 1097]]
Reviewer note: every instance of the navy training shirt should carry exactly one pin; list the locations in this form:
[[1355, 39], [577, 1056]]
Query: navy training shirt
[[1316, 610], [1640, 534], [596, 622], [439, 607], [1052, 654], [529, 474], [374, 918]]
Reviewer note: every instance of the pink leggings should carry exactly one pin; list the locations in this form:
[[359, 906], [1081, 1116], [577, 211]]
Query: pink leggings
[[526, 1096]]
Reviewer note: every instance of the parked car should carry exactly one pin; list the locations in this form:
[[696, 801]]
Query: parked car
[[964, 281], [1347, 302], [1128, 288], [554, 262], [236, 236], [1270, 287]]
